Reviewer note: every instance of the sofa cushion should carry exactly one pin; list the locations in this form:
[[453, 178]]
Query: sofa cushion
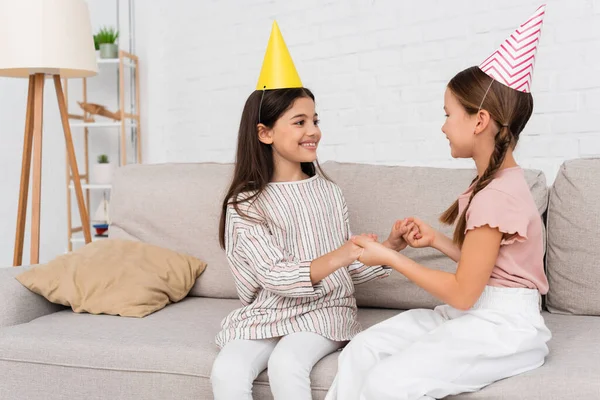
[[378, 195], [116, 277], [169, 355], [573, 262], [176, 206]]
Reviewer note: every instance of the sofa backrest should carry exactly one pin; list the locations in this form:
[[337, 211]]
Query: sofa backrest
[[178, 206], [573, 253]]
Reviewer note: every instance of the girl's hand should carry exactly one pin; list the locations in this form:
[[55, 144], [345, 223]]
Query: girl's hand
[[395, 240], [420, 235], [350, 252], [373, 253]]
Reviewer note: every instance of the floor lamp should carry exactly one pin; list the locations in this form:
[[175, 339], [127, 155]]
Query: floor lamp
[[42, 39]]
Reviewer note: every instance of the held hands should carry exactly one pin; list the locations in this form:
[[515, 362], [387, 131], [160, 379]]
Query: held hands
[[409, 231], [373, 252], [350, 251], [420, 234], [396, 240]]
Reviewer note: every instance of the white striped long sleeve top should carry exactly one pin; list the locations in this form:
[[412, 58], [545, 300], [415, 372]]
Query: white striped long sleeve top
[[270, 257]]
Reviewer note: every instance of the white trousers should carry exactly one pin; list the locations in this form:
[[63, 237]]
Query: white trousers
[[289, 361], [430, 354]]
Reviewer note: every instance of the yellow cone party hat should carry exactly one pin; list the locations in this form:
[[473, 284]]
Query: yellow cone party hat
[[278, 71]]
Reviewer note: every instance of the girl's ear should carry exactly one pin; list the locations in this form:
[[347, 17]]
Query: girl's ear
[[265, 135], [483, 120]]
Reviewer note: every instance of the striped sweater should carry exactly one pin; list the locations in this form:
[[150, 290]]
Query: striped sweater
[[292, 223]]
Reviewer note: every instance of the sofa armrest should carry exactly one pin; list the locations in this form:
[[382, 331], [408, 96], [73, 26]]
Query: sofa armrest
[[18, 304]]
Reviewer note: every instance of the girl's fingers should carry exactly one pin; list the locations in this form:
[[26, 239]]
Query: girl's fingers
[[415, 233]]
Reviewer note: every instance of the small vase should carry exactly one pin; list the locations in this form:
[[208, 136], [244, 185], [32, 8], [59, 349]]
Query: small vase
[[109, 50], [103, 173]]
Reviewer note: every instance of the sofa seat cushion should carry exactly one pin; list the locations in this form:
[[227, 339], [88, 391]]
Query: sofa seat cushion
[[169, 355], [175, 340]]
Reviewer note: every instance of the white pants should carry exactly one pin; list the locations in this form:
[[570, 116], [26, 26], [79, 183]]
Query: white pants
[[289, 361], [430, 354]]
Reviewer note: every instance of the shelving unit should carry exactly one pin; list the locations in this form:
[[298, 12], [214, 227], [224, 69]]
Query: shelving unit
[[129, 129]]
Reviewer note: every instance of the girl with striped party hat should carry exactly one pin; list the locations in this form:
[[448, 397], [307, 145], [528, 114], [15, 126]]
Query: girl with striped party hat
[[284, 227], [490, 326]]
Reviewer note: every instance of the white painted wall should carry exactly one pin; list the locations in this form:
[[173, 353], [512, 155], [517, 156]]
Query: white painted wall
[[377, 67]]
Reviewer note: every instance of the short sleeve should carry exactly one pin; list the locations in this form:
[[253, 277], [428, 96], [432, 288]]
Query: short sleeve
[[498, 210]]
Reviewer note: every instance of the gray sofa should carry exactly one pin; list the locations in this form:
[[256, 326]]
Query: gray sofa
[[48, 352]]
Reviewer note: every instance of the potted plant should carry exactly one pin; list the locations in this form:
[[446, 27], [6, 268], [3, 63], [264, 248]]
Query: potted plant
[[103, 170], [106, 38]]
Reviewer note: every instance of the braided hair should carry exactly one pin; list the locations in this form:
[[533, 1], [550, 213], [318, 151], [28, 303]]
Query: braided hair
[[508, 108]]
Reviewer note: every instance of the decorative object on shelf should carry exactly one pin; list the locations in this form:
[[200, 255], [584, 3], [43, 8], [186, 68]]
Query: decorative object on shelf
[[42, 44], [103, 170], [101, 218], [106, 39], [101, 230], [101, 215], [98, 109]]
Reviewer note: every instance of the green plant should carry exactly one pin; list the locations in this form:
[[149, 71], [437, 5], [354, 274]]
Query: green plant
[[106, 35], [102, 159], [96, 45]]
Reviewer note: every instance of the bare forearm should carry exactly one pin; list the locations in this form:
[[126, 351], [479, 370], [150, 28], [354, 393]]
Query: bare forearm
[[445, 245], [440, 284], [324, 266], [393, 246]]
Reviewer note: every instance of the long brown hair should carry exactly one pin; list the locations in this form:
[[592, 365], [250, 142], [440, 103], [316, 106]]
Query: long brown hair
[[509, 108], [254, 166]]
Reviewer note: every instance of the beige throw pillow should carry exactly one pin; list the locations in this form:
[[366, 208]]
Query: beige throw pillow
[[116, 277]]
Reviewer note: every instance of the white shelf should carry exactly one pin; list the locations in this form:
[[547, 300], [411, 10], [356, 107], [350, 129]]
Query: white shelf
[[126, 62], [78, 237], [100, 124], [92, 186]]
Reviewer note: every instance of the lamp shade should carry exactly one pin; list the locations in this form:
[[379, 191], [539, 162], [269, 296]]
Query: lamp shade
[[46, 36]]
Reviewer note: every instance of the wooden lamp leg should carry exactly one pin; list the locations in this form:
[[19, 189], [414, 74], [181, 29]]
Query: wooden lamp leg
[[62, 105], [25, 172], [36, 195]]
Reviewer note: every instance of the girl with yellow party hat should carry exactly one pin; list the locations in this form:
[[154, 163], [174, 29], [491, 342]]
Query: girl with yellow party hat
[[490, 327], [284, 227]]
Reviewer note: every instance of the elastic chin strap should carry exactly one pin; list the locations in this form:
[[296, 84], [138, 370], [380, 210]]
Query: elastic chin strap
[[480, 105], [484, 96], [260, 104]]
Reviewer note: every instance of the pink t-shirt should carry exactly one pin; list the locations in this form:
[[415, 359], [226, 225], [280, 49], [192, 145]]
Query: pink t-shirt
[[506, 203]]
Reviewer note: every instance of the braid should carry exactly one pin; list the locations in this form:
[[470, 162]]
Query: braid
[[509, 109], [503, 141]]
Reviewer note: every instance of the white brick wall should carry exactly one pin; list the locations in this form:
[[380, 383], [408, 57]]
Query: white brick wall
[[377, 67]]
